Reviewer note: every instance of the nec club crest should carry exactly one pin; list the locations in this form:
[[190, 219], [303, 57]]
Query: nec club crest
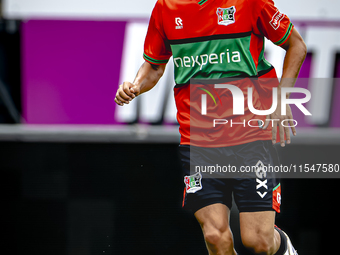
[[226, 16], [193, 183]]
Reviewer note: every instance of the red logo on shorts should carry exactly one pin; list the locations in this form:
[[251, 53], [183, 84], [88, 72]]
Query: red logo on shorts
[[277, 198]]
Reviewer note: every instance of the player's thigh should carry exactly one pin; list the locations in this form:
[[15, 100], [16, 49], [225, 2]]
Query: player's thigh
[[257, 227], [201, 190], [257, 190]]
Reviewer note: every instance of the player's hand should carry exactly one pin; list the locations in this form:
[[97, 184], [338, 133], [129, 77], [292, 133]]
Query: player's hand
[[126, 92], [277, 121]]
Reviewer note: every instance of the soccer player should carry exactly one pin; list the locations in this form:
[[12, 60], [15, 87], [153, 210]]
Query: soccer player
[[215, 40]]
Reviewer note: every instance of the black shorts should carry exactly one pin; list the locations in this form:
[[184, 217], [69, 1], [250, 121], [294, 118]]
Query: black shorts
[[253, 190]]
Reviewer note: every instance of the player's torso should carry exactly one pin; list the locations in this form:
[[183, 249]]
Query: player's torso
[[193, 18], [211, 39]]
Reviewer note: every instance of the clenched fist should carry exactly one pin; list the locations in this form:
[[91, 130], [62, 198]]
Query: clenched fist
[[126, 92]]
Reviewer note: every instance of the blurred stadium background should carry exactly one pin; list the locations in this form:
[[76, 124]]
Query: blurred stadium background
[[82, 176]]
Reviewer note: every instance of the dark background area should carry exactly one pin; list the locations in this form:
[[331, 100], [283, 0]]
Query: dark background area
[[79, 198], [10, 71]]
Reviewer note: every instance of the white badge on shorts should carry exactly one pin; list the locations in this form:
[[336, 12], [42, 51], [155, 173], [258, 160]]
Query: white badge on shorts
[[193, 183]]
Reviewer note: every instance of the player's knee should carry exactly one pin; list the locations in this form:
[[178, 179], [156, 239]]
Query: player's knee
[[212, 237], [258, 243], [215, 236]]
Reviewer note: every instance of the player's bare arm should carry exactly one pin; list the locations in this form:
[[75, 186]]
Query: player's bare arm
[[295, 54], [147, 77]]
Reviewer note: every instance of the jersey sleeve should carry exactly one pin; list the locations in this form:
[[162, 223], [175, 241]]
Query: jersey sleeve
[[273, 24], [157, 50]]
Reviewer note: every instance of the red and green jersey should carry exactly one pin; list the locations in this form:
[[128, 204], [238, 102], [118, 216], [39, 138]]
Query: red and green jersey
[[214, 40]]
